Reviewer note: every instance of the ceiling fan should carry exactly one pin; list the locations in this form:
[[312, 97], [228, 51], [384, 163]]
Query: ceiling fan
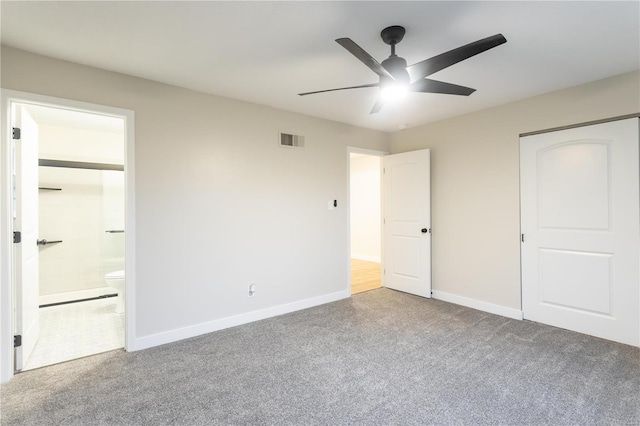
[[396, 78]]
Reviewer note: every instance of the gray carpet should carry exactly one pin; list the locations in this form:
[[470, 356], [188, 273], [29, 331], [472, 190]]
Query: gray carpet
[[381, 357]]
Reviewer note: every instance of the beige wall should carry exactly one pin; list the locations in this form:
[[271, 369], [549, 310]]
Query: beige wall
[[475, 182], [219, 204]]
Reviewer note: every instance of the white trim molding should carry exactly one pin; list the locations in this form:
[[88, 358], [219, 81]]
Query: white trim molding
[[232, 321], [478, 304], [9, 98]]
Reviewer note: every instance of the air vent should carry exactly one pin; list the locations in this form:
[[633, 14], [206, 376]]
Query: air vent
[[291, 141]]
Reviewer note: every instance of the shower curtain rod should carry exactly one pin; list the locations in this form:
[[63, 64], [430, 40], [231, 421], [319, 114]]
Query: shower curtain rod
[[80, 165]]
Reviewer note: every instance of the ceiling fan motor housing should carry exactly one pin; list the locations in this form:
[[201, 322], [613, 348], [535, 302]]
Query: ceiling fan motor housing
[[397, 67]]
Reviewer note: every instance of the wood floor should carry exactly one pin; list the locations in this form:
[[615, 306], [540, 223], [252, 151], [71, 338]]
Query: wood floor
[[365, 276]]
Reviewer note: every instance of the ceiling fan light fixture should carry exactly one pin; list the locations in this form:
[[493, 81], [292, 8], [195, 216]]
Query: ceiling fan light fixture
[[394, 92]]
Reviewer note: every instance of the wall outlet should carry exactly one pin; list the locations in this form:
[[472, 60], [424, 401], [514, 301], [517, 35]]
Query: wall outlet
[[252, 290]]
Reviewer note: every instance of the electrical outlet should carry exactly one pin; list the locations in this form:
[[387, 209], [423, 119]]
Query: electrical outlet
[[252, 290]]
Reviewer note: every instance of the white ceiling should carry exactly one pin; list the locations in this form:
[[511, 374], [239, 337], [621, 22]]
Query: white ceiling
[[267, 52]]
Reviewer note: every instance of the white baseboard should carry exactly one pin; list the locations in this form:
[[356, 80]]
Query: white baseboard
[[220, 324], [478, 304], [366, 258]]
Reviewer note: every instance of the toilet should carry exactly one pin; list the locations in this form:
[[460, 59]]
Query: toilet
[[116, 280]]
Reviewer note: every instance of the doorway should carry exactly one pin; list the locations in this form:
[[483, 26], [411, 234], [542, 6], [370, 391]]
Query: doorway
[[79, 175], [365, 221], [74, 186], [390, 247]]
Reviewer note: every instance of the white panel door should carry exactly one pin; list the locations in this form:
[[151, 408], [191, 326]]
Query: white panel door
[[580, 221], [26, 221], [407, 222]]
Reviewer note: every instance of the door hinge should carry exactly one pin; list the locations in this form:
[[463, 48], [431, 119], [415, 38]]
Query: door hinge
[[17, 237], [16, 133], [17, 340], [522, 238]]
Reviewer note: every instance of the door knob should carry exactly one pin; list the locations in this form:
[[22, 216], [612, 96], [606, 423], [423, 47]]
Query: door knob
[[424, 230]]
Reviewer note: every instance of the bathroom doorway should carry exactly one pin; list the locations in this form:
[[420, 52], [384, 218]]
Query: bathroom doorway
[[69, 184], [365, 220]]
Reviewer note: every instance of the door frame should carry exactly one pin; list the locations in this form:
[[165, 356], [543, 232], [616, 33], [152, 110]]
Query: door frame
[[7, 298], [373, 152]]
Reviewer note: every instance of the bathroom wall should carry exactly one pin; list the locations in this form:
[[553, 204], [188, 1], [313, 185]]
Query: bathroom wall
[[365, 207], [73, 215], [89, 203], [75, 143]]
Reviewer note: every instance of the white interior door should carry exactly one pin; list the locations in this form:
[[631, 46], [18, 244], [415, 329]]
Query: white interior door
[[26, 222], [580, 224], [407, 222]]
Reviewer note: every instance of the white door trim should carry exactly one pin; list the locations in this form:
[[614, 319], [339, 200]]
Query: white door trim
[[9, 97], [356, 150]]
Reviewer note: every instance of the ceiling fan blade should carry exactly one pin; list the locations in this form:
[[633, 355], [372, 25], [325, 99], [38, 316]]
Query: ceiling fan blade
[[444, 60], [364, 57], [341, 88], [377, 106], [434, 86]]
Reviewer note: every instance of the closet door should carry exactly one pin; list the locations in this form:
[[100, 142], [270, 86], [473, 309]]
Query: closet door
[[580, 224]]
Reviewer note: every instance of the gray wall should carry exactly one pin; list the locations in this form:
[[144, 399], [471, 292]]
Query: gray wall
[[219, 204], [475, 182]]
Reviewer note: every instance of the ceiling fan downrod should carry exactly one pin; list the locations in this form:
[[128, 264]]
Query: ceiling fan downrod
[[396, 65]]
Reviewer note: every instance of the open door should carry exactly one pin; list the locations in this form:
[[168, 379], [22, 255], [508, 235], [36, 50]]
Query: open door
[[407, 222], [25, 221]]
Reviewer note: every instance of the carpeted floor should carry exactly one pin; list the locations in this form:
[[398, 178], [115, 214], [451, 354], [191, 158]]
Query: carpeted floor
[[381, 357]]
